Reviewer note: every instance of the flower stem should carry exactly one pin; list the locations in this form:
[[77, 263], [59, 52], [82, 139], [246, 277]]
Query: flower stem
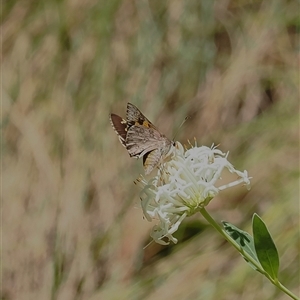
[[259, 268], [212, 222]]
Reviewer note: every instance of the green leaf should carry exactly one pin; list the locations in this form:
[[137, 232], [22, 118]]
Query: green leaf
[[265, 248], [244, 239]]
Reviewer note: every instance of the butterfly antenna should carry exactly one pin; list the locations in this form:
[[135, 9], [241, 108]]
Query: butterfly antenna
[[177, 131]]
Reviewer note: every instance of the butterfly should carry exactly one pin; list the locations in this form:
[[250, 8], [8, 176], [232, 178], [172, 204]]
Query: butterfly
[[141, 138]]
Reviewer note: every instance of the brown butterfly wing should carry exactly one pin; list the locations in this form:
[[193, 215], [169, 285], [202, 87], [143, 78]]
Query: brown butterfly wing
[[134, 117], [120, 127], [140, 137], [140, 140], [151, 160], [149, 143]]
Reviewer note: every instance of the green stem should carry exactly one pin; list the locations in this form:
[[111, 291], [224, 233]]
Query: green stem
[[210, 220], [285, 290]]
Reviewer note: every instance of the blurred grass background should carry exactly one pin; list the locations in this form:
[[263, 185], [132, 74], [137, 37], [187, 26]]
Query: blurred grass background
[[71, 223]]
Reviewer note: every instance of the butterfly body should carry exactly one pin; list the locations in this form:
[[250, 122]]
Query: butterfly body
[[141, 138]]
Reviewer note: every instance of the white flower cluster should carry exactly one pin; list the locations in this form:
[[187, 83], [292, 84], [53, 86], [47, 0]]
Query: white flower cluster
[[182, 186]]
